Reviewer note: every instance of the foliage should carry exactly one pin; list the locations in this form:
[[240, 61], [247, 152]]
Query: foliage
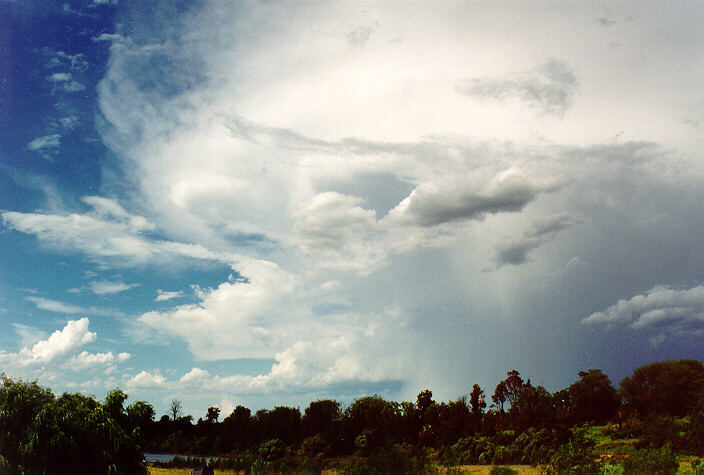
[[271, 450], [533, 407], [612, 469], [388, 460], [656, 431], [665, 388], [576, 456], [592, 398], [698, 467], [695, 433], [660, 461], [69, 434], [374, 418]]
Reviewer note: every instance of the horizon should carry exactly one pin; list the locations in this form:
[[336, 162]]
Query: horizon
[[266, 204]]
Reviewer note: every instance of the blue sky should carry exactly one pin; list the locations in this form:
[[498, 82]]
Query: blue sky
[[270, 203]]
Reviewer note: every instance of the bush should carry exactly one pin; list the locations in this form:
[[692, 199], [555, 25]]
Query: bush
[[658, 431], [271, 450], [660, 461], [612, 469], [314, 445], [576, 456], [389, 460]]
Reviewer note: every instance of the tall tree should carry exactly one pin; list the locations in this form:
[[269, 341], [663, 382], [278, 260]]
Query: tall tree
[[592, 398], [321, 416], [175, 409], [666, 387], [213, 414], [499, 396], [477, 404], [533, 407]]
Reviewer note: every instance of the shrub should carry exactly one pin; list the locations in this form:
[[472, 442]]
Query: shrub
[[576, 456], [271, 450], [612, 469], [389, 460], [314, 445], [658, 431], [660, 461]]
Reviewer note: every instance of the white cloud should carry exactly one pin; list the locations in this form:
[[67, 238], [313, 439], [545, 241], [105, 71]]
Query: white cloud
[[85, 360], [60, 343], [147, 380], [102, 287], [60, 77], [45, 142], [63, 307], [193, 376], [323, 162], [55, 305], [108, 235], [334, 230], [163, 295], [232, 320], [660, 306]]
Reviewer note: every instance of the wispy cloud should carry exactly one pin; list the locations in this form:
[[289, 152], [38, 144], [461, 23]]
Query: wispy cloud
[[45, 142], [548, 88], [63, 307], [163, 295], [102, 287]]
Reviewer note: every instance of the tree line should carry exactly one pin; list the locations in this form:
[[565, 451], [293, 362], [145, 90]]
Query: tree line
[[663, 403]]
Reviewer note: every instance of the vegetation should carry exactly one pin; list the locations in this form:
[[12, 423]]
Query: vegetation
[[72, 433], [656, 415]]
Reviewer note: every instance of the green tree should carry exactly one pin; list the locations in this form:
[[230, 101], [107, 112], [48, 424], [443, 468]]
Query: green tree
[[374, 418], [533, 407], [213, 414], [320, 416], [665, 388], [20, 402], [237, 428], [499, 396], [140, 417], [69, 434], [424, 400], [592, 398], [477, 404]]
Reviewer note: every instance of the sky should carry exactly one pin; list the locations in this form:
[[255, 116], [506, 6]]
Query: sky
[[269, 203]]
